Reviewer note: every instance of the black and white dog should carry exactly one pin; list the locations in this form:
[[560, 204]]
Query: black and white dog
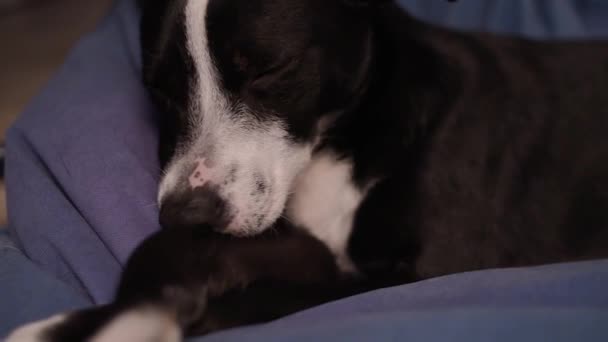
[[314, 149]]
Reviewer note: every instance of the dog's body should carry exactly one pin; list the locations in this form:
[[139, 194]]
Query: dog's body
[[358, 148]]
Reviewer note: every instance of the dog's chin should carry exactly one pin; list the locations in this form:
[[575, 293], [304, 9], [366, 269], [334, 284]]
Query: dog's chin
[[249, 230], [244, 233], [256, 222], [241, 230]]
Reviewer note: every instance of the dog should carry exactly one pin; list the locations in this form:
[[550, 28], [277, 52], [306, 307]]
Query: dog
[[317, 149]]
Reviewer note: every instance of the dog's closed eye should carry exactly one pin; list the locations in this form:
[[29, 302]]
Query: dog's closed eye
[[273, 70]]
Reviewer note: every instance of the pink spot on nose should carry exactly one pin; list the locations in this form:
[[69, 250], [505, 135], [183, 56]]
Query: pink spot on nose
[[200, 175]]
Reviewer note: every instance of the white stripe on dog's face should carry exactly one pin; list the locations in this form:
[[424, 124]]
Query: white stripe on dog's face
[[250, 162]]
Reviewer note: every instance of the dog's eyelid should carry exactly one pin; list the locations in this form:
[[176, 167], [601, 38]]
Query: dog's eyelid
[[276, 67], [265, 72]]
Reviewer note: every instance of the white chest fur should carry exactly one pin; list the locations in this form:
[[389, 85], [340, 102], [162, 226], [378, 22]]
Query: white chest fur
[[324, 203]]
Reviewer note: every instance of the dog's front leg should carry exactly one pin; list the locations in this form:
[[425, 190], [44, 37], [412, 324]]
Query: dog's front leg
[[211, 281], [184, 282]]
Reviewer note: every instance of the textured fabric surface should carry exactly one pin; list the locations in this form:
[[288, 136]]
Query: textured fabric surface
[[82, 173], [28, 293], [567, 302], [81, 162]]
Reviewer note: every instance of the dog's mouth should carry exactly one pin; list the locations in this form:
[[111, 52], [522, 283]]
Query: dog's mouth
[[242, 193], [226, 208]]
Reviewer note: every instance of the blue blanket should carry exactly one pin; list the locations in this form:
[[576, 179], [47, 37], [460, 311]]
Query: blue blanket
[[82, 173]]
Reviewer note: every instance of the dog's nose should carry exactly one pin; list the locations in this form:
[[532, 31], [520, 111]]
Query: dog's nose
[[201, 207]]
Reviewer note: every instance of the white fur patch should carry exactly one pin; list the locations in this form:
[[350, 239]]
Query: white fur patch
[[33, 332], [325, 202], [206, 95], [169, 181], [243, 151], [142, 325]]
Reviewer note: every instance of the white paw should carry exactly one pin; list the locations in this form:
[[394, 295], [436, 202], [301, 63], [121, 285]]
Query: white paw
[[140, 325], [34, 332]]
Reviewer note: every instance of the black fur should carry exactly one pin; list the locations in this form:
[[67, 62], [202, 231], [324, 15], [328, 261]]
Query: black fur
[[487, 152], [168, 69], [310, 69]]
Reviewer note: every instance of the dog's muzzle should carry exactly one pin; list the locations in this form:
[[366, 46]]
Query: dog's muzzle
[[199, 207]]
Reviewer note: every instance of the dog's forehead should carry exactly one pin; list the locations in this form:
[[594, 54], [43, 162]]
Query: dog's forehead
[[264, 21], [280, 12]]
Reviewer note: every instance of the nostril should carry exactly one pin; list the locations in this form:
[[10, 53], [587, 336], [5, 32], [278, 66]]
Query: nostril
[[202, 208]]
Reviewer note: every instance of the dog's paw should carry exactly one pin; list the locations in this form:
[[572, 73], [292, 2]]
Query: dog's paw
[[140, 325], [37, 331]]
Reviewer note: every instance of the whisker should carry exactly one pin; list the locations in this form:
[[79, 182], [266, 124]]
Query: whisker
[[283, 216]]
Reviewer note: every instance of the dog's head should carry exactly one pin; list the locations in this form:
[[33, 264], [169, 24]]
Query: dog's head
[[244, 86]]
